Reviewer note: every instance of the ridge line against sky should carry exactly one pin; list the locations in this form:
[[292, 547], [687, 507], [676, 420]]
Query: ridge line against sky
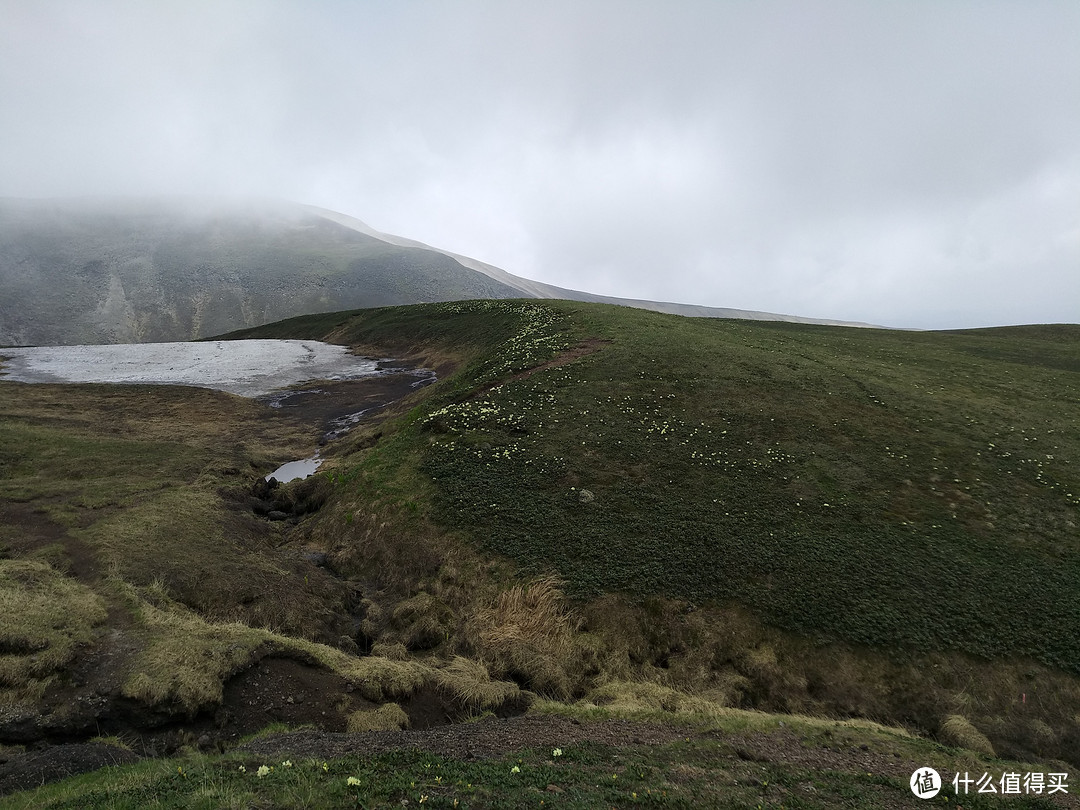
[[912, 164]]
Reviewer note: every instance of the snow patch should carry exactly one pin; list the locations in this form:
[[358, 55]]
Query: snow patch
[[249, 368]]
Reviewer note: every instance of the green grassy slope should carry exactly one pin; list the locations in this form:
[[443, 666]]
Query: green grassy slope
[[775, 516], [884, 488], [790, 517]]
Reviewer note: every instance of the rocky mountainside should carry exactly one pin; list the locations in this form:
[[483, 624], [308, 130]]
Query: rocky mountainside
[[141, 270], [92, 271]]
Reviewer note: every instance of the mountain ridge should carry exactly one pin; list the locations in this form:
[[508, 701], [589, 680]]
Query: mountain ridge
[[539, 289], [131, 269]]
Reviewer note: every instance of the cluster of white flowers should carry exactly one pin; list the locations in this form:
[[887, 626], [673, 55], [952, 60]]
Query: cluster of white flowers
[[472, 414], [537, 340]]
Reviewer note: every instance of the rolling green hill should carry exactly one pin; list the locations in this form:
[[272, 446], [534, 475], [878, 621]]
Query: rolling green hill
[[602, 506], [909, 494]]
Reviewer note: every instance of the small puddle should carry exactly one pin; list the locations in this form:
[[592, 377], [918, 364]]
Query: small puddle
[[296, 469]]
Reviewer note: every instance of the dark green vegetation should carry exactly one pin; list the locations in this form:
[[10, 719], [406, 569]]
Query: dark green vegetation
[[881, 488], [596, 504], [886, 488]]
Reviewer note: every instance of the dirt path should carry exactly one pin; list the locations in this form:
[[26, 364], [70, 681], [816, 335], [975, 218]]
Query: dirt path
[[484, 738]]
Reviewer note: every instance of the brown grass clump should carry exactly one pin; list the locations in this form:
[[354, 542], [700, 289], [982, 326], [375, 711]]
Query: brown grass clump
[[528, 635], [388, 717], [638, 696], [44, 616], [380, 679], [423, 621], [958, 732], [186, 660], [394, 651], [469, 684]]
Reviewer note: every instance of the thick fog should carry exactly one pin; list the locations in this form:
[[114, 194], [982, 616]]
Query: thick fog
[[912, 164]]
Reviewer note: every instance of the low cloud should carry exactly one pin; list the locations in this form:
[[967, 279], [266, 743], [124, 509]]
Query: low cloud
[[909, 164]]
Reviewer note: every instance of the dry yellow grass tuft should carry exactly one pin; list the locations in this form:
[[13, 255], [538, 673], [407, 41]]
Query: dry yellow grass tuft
[[394, 651], [379, 679], [423, 621], [637, 696], [43, 617], [528, 635], [957, 731], [388, 717], [186, 660], [469, 684]]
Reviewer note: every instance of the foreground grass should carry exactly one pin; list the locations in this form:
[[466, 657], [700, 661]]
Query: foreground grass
[[709, 765]]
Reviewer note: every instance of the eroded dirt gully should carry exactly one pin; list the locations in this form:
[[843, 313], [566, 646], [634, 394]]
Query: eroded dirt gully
[[53, 742]]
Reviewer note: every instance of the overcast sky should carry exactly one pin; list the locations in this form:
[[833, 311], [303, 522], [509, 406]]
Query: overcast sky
[[905, 163]]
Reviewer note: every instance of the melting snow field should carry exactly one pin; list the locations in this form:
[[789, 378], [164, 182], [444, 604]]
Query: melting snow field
[[250, 368]]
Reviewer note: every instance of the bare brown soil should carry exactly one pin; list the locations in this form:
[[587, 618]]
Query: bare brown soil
[[488, 737], [335, 407]]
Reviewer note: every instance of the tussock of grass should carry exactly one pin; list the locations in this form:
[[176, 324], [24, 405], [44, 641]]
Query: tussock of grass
[[636, 696], [388, 717], [44, 616], [113, 740], [469, 684], [957, 731], [423, 621], [271, 729], [379, 679], [186, 660], [528, 635], [394, 651]]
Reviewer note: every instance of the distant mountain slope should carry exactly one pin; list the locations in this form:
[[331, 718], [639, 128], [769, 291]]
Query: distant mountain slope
[[138, 270], [92, 271], [538, 289]]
